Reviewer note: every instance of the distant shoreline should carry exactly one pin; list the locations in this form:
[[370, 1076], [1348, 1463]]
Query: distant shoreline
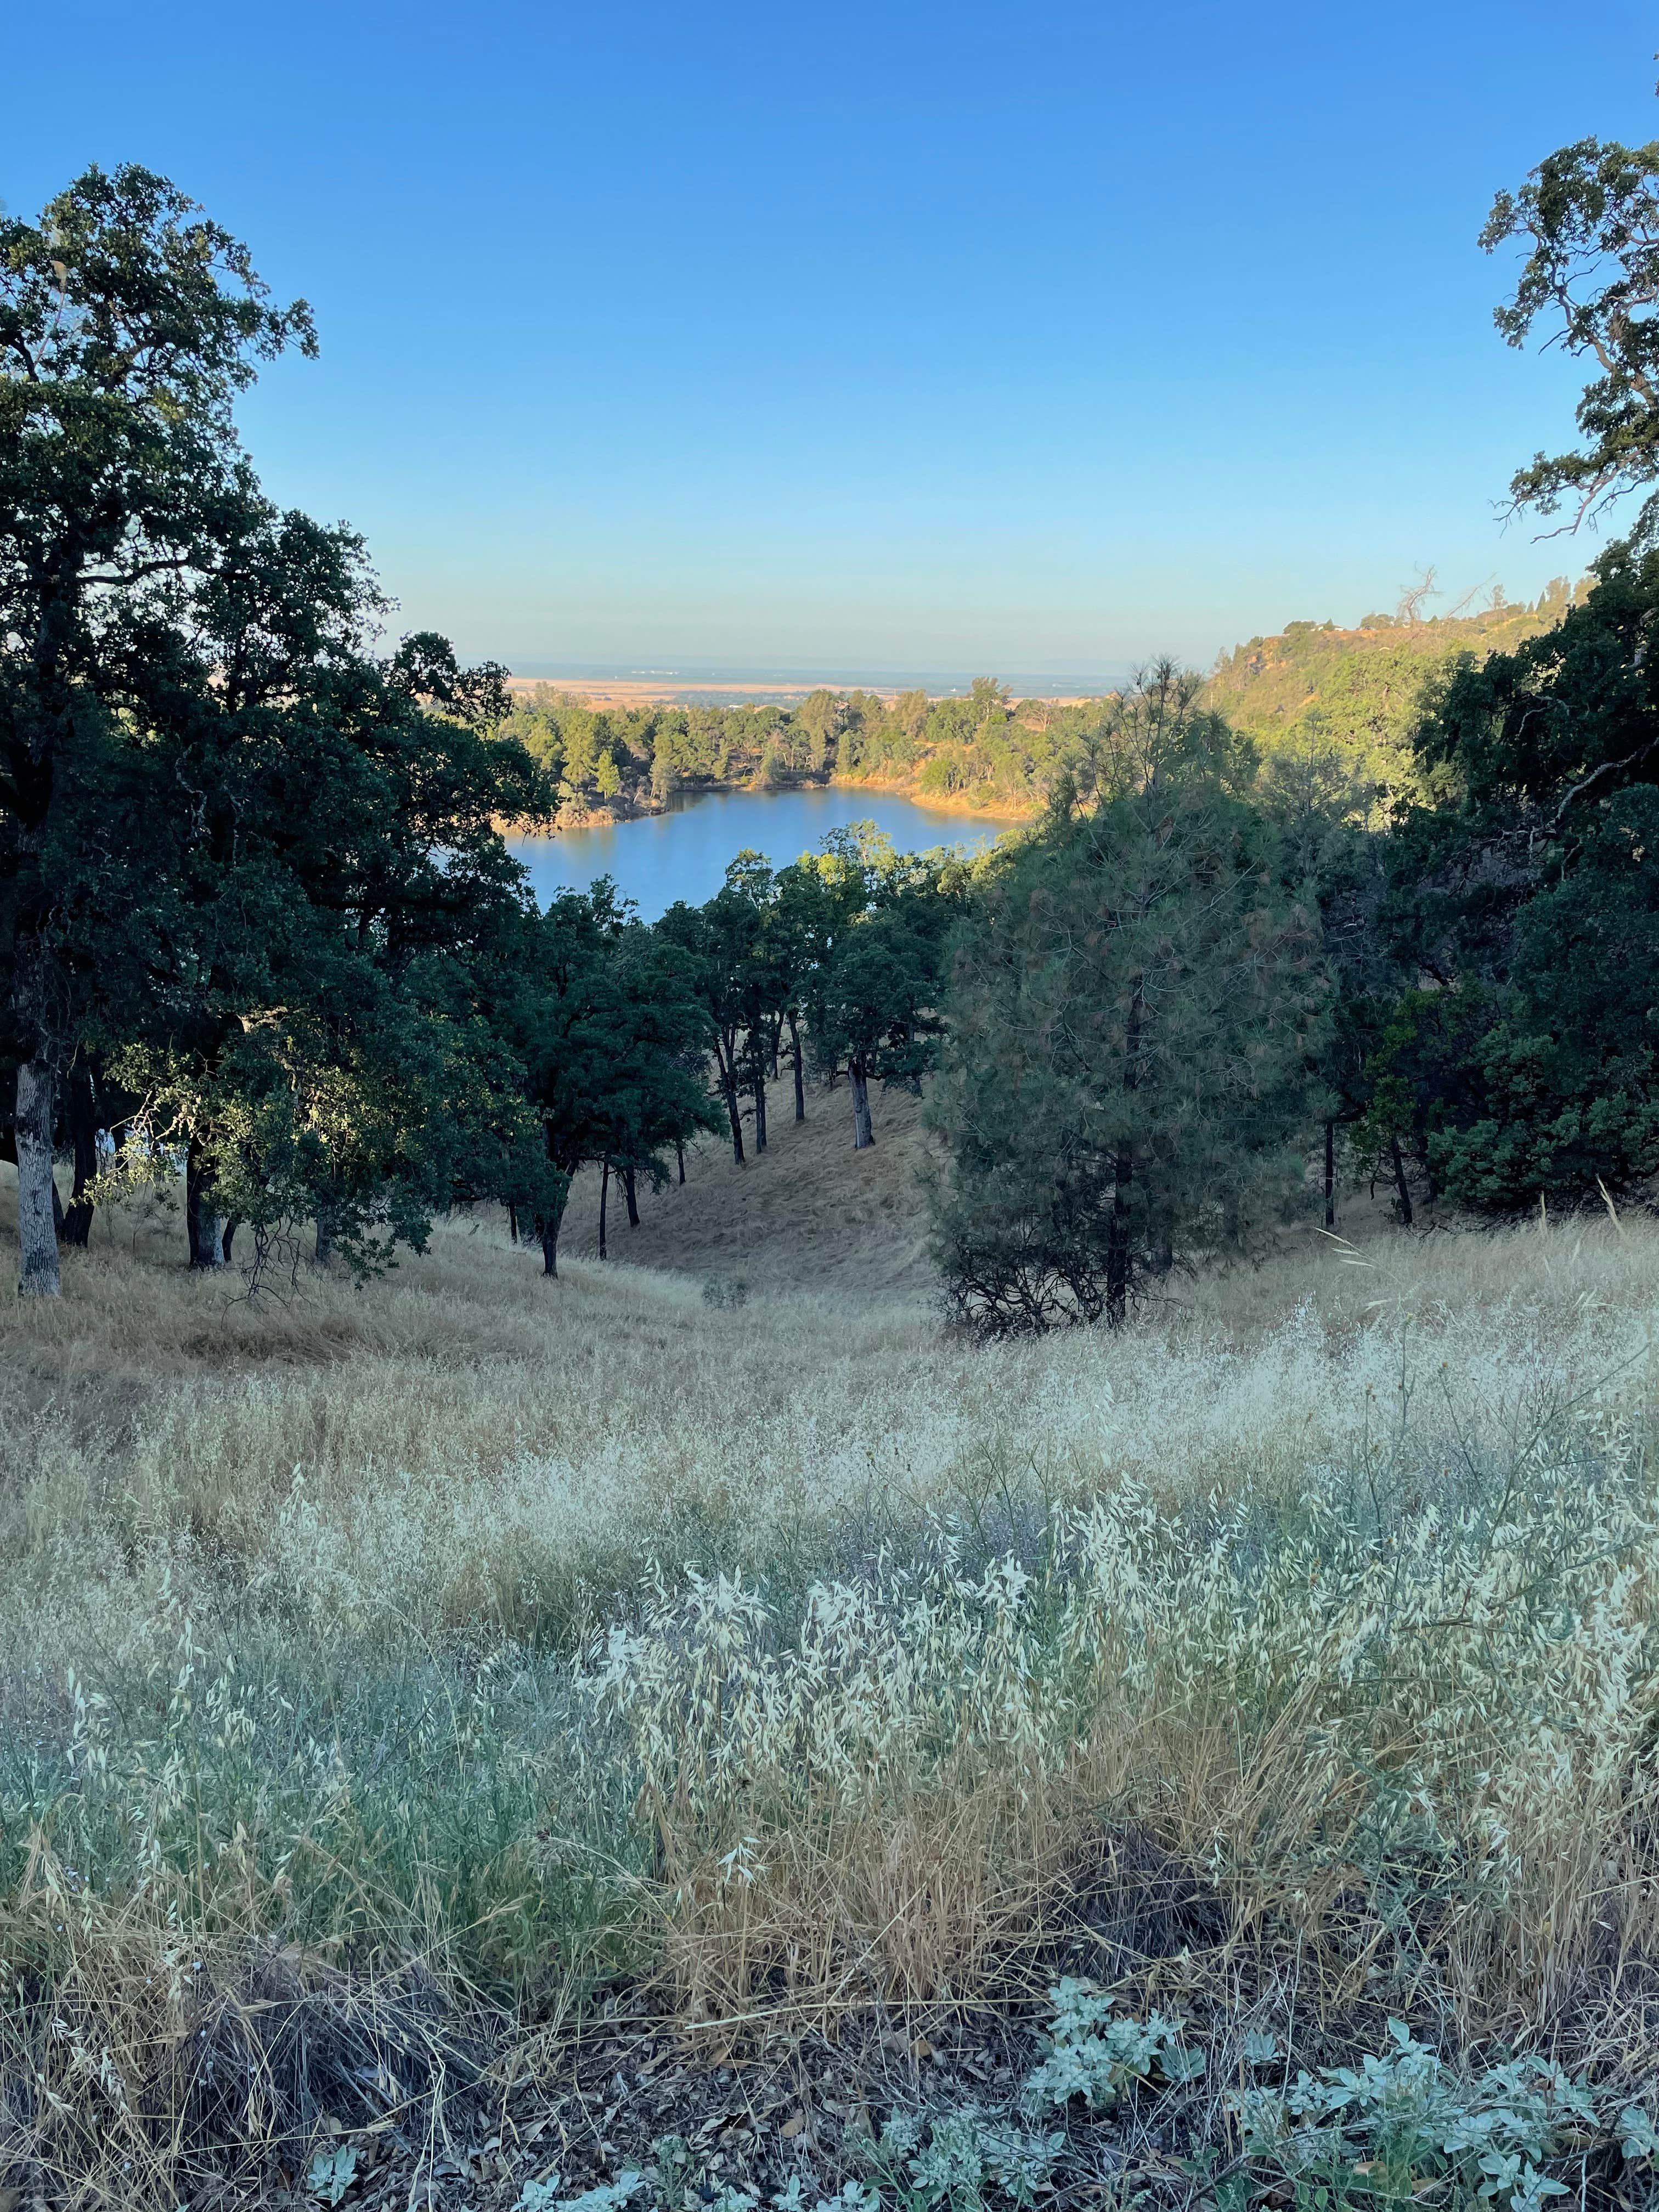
[[708, 691], [951, 803], [646, 809]]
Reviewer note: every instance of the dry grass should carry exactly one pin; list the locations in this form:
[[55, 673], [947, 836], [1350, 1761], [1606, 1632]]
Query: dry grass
[[807, 1211], [380, 1666]]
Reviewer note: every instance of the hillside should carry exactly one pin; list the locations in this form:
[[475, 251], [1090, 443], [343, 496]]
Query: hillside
[[807, 1212], [811, 1214], [1362, 690], [498, 1691], [623, 750]]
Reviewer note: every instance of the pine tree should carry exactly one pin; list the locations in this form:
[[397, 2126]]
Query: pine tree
[[1132, 1018]]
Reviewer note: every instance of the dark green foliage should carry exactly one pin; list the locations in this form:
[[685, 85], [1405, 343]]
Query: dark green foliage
[[877, 975], [255, 905], [128, 324], [870, 1011], [310, 875], [1568, 716], [848, 941], [1134, 1016], [729, 963], [1497, 1031], [1515, 1061], [256, 913], [607, 1024], [1543, 1083], [619, 760]]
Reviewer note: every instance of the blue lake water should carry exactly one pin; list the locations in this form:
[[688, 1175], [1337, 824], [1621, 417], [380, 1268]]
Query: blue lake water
[[683, 854]]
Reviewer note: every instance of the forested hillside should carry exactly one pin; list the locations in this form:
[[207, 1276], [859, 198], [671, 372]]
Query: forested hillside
[[1179, 1735], [1364, 692], [982, 751], [261, 931], [1348, 696]]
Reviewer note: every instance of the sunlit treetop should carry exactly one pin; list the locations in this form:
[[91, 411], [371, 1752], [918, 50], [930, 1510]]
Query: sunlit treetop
[[1590, 213]]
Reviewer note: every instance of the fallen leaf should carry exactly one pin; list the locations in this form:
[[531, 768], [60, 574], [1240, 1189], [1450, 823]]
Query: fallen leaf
[[790, 2128]]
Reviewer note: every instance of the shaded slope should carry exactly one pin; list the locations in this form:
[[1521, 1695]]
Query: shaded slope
[[809, 1212]]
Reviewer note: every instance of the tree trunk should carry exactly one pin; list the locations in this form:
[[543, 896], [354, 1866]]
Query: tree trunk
[[725, 1055], [81, 1116], [679, 1154], [546, 1234], [1401, 1183], [1163, 1248], [800, 1087], [37, 1193], [760, 1106], [326, 1224], [1120, 1257], [228, 1241], [1330, 1175], [604, 1197], [1426, 1160], [1120, 1250], [512, 1224], [633, 1198], [203, 1222], [863, 1133], [43, 708]]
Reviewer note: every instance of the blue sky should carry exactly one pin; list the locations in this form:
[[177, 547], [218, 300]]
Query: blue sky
[[895, 336]]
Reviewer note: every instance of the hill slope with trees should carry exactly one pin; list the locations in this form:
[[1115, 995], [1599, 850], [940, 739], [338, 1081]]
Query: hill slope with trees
[[485, 1733], [1352, 694], [1361, 693]]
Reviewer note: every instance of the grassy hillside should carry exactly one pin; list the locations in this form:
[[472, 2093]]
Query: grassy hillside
[[501, 1729], [807, 1210], [1361, 690]]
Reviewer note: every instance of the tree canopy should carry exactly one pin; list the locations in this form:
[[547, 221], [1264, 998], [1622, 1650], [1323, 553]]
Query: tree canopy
[[1134, 1019], [255, 915], [1589, 215]]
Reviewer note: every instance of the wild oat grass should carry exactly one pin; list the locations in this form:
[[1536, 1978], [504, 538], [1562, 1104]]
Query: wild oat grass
[[384, 1666]]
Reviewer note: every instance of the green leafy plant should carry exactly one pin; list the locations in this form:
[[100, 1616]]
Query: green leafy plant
[[609, 2196], [1094, 2055], [1404, 2118], [332, 2172]]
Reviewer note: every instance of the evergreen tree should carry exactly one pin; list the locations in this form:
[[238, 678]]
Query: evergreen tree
[[1133, 1015]]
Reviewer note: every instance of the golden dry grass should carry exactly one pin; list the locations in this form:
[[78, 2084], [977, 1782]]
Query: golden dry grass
[[462, 1615], [809, 1212]]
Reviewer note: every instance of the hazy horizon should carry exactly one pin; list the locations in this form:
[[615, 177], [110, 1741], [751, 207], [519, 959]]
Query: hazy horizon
[[1057, 680], [843, 676]]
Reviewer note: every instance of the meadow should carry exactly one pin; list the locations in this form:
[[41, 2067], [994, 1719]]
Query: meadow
[[396, 1679]]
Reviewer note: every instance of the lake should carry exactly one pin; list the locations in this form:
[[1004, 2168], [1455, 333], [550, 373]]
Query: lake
[[683, 853]]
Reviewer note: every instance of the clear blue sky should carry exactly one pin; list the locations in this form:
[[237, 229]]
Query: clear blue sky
[[891, 334]]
